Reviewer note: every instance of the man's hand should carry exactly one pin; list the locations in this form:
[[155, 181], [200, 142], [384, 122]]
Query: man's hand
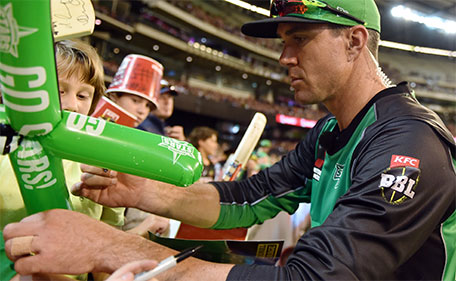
[[114, 189], [63, 242], [152, 223], [67, 242], [128, 271], [108, 187]]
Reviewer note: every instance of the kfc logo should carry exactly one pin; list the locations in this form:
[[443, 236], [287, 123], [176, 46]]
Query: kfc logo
[[404, 161]]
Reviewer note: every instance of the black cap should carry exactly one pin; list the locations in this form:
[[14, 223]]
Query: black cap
[[167, 88]]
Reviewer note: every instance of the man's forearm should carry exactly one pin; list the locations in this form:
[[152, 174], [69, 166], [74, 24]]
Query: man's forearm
[[132, 247], [197, 204]]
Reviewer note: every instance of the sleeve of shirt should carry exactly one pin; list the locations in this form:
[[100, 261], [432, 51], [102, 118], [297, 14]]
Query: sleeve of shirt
[[113, 216], [373, 229], [280, 187]]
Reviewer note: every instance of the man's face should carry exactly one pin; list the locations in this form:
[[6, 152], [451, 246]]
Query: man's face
[[316, 60], [165, 106]]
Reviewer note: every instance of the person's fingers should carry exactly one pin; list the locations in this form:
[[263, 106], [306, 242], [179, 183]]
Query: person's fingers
[[128, 271], [126, 277], [35, 218], [21, 246], [27, 265], [26, 227], [76, 189], [82, 190], [140, 266], [93, 180], [98, 171]]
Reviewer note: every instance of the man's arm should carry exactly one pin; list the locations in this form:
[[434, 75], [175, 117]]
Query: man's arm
[[197, 204], [382, 234], [68, 242], [200, 204]]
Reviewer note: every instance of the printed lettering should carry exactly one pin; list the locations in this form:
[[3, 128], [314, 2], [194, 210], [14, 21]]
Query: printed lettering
[[46, 175], [399, 183], [48, 184], [35, 165], [409, 192], [32, 149], [39, 71], [402, 161], [29, 148], [93, 126], [45, 128], [387, 180], [42, 95], [76, 121], [97, 129]]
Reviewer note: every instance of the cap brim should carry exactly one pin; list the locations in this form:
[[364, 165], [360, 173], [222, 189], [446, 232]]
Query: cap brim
[[167, 90], [267, 28]]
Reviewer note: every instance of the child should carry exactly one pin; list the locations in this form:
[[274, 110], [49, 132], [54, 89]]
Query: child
[[135, 88], [136, 85], [205, 140], [81, 84]]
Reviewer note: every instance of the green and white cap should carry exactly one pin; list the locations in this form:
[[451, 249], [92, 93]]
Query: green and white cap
[[341, 12]]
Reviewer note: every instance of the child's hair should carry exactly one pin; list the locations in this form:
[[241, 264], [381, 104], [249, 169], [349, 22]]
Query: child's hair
[[200, 133], [75, 56]]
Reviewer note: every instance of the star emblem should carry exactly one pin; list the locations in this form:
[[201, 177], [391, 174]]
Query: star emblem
[[178, 148], [10, 31]]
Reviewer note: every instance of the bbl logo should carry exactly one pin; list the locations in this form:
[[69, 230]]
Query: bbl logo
[[398, 184]]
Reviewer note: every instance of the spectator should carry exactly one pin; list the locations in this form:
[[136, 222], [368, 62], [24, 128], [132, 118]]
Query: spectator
[[205, 140]]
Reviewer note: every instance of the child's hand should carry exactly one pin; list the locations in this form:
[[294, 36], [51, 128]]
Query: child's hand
[[175, 132]]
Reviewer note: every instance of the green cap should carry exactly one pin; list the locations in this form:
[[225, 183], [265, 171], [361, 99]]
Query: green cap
[[365, 10]]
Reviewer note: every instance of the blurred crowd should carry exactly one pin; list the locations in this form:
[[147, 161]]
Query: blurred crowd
[[278, 106]]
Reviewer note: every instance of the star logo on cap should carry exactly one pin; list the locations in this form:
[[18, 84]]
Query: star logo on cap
[[10, 31]]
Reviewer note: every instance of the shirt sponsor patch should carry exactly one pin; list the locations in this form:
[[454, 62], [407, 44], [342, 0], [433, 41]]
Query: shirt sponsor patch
[[399, 184], [404, 161]]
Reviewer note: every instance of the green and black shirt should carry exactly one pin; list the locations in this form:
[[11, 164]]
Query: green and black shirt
[[382, 193]]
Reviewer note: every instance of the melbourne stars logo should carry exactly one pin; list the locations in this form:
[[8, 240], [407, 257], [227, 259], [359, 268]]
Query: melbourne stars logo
[[339, 169], [178, 148], [10, 31]]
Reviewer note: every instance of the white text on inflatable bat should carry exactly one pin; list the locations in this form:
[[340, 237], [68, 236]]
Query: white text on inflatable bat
[[37, 76], [93, 126], [30, 167]]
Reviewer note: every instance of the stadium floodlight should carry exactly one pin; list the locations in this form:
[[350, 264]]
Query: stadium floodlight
[[418, 49], [249, 7], [449, 26], [401, 11]]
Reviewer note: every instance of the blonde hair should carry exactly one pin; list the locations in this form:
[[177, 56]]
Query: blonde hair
[[73, 57]]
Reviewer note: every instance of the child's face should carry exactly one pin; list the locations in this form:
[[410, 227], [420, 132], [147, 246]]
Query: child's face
[[165, 106], [136, 105], [209, 145], [75, 95]]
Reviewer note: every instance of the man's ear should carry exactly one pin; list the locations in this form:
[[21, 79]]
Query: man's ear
[[357, 39]]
